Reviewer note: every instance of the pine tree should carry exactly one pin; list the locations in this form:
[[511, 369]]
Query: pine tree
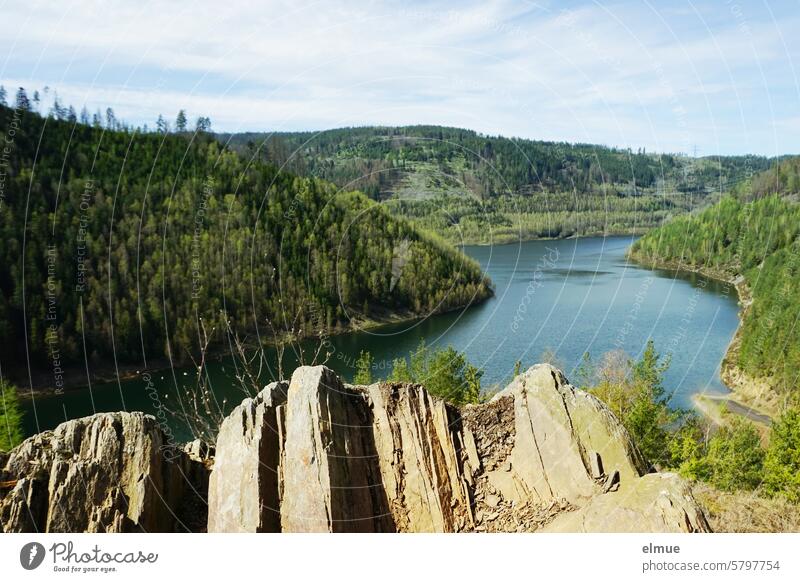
[[161, 125], [203, 124], [181, 121], [22, 102], [111, 120]]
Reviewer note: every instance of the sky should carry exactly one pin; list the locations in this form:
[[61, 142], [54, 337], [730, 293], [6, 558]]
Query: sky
[[704, 78]]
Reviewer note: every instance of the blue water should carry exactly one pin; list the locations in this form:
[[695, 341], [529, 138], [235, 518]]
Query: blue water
[[565, 297]]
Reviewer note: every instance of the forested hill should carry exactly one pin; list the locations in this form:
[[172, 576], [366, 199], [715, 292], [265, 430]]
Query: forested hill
[[475, 188], [782, 179], [119, 242], [380, 159], [754, 233]]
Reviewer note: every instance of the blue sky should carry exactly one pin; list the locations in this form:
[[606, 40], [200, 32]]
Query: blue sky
[[673, 76]]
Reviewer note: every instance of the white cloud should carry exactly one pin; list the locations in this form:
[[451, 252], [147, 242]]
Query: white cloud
[[627, 74]]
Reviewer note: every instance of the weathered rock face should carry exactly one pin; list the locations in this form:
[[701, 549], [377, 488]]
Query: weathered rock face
[[568, 445], [332, 479], [654, 503], [541, 456], [420, 450], [244, 489], [105, 473]]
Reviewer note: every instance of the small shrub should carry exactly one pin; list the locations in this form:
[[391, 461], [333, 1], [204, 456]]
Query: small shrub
[[10, 417]]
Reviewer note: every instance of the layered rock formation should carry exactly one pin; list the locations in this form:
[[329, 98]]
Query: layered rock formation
[[244, 492], [320, 455], [109, 472], [389, 457]]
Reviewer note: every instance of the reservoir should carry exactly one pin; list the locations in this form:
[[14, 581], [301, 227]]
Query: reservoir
[[563, 298]]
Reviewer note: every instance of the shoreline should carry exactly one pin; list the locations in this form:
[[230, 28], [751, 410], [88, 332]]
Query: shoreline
[[734, 378], [461, 245], [40, 385]]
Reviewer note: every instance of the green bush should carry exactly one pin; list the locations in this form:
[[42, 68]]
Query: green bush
[[735, 458], [444, 373], [634, 391], [731, 459], [687, 449], [782, 462], [10, 417]]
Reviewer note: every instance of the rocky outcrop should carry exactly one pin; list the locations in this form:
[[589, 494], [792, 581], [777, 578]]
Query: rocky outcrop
[[654, 503], [244, 489], [317, 455], [541, 456], [109, 472]]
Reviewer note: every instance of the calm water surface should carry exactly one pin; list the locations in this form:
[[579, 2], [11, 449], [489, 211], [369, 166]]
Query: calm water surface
[[567, 297]]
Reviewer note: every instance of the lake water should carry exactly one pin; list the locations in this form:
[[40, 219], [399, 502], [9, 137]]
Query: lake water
[[565, 297]]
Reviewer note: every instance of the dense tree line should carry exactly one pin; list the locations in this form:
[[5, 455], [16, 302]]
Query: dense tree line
[[757, 235], [466, 220], [118, 241], [782, 179]]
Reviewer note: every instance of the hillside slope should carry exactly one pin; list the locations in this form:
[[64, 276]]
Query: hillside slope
[[751, 238], [119, 243], [474, 188]]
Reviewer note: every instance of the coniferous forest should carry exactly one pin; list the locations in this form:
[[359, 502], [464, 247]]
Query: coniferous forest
[[118, 242], [479, 189], [754, 233]]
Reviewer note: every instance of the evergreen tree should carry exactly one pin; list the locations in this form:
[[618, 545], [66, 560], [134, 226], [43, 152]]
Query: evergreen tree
[[634, 392], [363, 375], [203, 125], [57, 109], [22, 102], [735, 459], [161, 125], [111, 120], [180, 121], [444, 373]]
